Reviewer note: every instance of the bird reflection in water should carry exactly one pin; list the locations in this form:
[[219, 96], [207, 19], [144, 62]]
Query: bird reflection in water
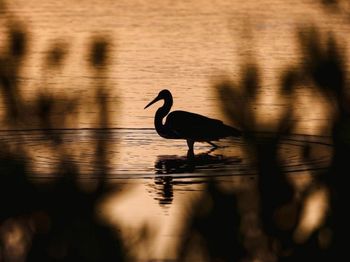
[[164, 190], [173, 164]]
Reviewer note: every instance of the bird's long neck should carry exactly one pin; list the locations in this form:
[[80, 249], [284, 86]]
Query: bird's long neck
[[160, 114]]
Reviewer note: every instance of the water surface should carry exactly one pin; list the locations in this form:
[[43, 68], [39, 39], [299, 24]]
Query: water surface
[[142, 153]]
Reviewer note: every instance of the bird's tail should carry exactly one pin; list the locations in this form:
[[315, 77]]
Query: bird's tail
[[234, 131]]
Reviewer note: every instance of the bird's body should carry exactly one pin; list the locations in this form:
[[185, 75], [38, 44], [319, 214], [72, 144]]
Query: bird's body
[[186, 125], [189, 126]]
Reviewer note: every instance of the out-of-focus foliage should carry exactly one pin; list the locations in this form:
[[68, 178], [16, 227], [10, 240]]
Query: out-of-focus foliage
[[284, 223], [55, 220]]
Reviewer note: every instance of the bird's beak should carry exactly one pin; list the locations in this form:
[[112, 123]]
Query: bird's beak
[[153, 101]]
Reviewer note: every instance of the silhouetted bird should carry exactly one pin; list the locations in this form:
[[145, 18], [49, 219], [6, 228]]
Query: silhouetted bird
[[189, 126]]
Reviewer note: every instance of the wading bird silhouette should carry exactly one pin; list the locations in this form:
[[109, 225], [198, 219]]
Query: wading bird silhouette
[[189, 126]]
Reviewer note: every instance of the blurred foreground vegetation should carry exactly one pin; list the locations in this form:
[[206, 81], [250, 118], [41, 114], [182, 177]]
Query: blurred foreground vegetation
[[272, 221]]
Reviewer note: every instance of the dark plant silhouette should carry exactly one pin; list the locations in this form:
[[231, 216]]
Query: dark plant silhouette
[[276, 210], [213, 228], [56, 220], [325, 66]]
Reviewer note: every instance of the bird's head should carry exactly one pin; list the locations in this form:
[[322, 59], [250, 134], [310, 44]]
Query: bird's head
[[164, 94]]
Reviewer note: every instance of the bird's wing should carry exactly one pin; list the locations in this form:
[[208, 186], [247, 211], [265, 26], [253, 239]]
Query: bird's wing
[[194, 126]]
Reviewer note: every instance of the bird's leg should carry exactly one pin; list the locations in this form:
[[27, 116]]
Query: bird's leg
[[190, 152], [212, 144], [190, 144]]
